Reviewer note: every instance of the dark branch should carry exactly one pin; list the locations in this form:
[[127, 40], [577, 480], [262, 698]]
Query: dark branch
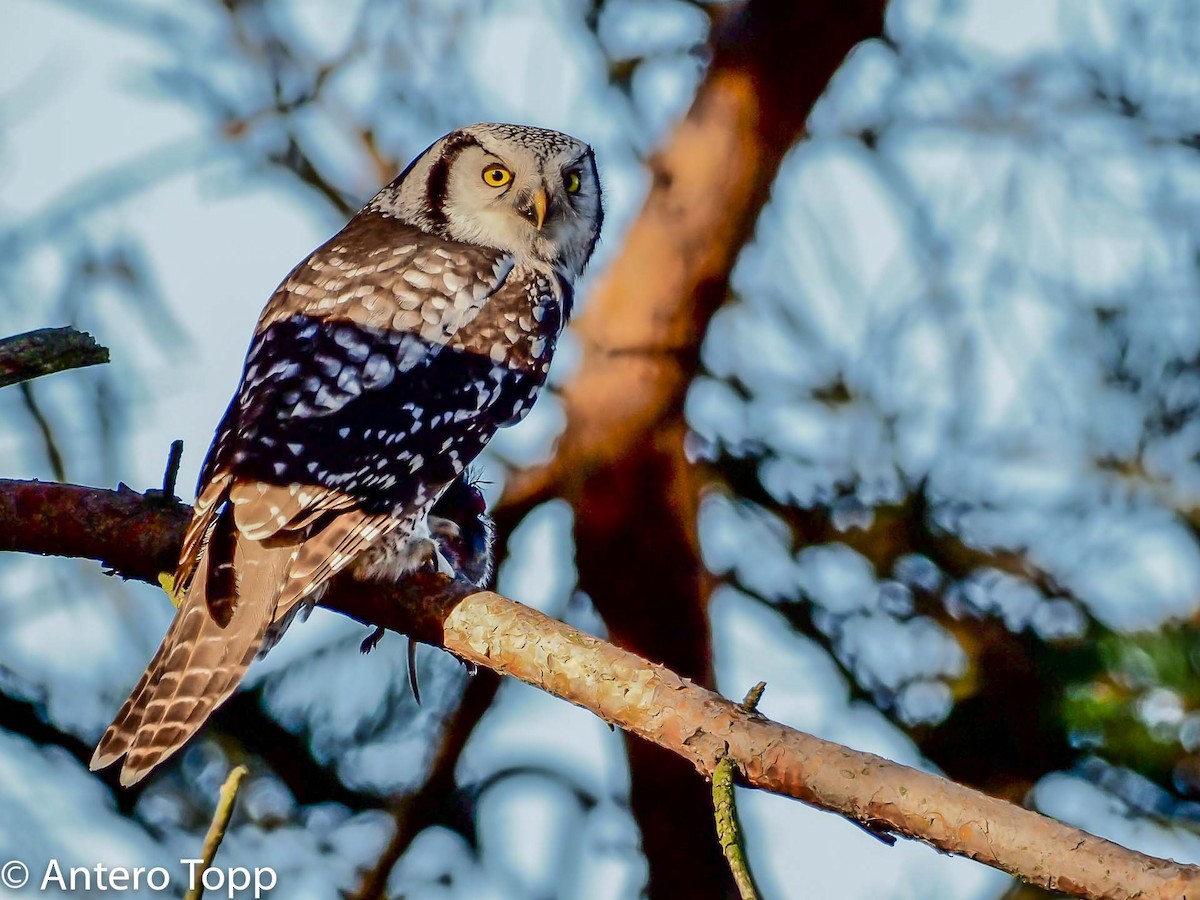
[[171, 473], [28, 718], [45, 351], [119, 529]]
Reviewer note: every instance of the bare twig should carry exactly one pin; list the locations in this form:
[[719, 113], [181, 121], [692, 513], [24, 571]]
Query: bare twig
[[53, 454], [171, 472], [216, 830], [725, 809], [47, 350]]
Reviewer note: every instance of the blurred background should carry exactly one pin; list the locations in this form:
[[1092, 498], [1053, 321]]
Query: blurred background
[[942, 430]]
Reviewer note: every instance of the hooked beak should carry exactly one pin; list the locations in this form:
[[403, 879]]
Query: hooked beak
[[540, 202]]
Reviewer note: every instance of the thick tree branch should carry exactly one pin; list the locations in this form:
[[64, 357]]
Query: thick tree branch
[[47, 350], [121, 529], [674, 713], [702, 727]]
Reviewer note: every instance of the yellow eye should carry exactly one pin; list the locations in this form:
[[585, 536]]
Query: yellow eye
[[572, 181], [496, 176]]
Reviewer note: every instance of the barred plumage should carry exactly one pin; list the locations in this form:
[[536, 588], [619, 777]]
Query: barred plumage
[[379, 370]]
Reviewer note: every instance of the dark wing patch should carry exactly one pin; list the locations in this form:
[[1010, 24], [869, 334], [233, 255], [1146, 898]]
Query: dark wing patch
[[221, 590], [371, 413]]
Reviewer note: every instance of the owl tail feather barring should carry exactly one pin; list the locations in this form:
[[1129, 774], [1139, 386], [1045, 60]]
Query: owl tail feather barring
[[379, 370]]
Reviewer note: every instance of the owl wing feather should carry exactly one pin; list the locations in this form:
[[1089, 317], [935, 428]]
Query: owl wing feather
[[197, 666]]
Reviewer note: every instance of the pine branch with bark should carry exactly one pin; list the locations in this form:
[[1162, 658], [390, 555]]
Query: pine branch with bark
[[644, 699]]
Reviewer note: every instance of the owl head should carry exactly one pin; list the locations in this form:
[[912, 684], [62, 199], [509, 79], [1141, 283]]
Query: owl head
[[527, 191]]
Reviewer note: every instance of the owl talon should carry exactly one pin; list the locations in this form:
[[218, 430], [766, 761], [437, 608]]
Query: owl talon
[[371, 641], [413, 684], [425, 555]]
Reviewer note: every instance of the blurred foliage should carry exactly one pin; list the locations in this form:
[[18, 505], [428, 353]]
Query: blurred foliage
[[955, 407], [1140, 706], [947, 418]]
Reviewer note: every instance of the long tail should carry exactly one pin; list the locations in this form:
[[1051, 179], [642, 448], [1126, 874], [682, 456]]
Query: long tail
[[197, 666]]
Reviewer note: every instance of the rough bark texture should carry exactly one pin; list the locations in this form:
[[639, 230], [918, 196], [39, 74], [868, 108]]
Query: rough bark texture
[[47, 350], [127, 532], [701, 727], [656, 704], [620, 462]]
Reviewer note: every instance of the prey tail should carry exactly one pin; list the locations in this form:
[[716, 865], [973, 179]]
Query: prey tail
[[200, 661]]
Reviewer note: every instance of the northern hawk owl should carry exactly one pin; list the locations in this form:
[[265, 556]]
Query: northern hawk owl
[[379, 369]]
